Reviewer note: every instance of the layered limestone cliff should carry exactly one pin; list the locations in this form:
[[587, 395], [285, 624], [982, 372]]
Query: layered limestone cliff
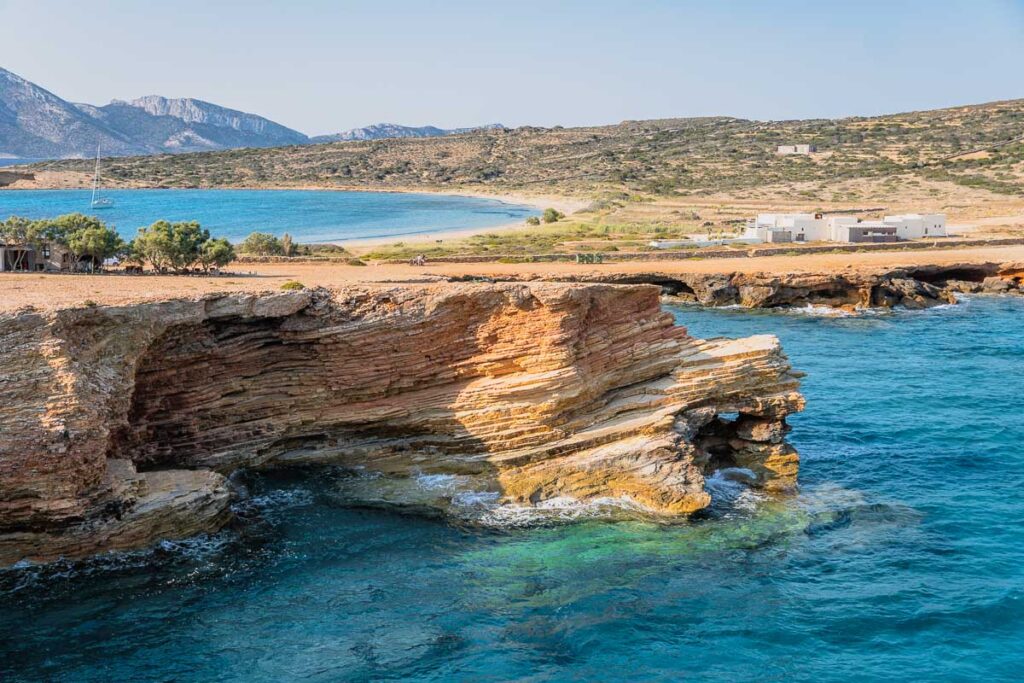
[[118, 425]]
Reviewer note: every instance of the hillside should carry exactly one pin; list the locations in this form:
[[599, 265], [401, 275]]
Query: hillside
[[977, 147]]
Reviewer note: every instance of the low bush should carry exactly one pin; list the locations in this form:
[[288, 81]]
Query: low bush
[[552, 215]]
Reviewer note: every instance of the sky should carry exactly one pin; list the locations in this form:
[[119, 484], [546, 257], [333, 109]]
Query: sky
[[323, 66]]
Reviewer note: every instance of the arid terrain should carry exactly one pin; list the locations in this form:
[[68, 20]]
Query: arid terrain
[[48, 292], [628, 183]]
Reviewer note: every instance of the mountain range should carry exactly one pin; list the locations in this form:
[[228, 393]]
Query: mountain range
[[35, 123]]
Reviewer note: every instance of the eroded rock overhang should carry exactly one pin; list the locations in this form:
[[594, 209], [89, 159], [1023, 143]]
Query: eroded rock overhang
[[119, 424]]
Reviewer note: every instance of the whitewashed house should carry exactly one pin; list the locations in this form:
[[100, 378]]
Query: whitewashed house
[[806, 227], [787, 227], [796, 149], [915, 226]]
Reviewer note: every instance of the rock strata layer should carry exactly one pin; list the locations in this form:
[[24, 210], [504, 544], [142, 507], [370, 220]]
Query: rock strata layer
[[119, 424]]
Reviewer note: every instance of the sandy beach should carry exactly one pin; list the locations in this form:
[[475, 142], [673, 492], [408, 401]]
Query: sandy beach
[[54, 291], [566, 205]]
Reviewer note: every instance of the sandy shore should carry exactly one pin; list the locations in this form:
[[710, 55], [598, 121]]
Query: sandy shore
[[566, 205], [47, 292]]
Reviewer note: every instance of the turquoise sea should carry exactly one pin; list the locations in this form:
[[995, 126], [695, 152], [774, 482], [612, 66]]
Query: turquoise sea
[[901, 559], [308, 215]]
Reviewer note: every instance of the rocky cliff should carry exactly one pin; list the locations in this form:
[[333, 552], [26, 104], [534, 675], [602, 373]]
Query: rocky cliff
[[910, 287], [118, 425]]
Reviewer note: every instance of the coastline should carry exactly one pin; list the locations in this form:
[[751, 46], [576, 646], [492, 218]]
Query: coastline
[[564, 204], [55, 291]]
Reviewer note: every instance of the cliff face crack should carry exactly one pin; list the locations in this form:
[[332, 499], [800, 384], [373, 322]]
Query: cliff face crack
[[538, 391]]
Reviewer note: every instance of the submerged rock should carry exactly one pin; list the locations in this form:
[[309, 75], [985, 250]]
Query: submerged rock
[[118, 423]]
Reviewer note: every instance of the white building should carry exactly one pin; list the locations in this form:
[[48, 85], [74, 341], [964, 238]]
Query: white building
[[915, 226], [796, 149], [864, 231], [787, 227], [806, 227]]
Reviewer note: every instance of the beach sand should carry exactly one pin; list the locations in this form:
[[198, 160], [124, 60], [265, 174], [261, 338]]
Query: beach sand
[[54, 291]]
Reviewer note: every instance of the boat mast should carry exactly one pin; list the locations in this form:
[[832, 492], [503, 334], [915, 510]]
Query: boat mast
[[96, 175]]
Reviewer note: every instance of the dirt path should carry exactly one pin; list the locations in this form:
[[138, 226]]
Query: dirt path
[[61, 291]]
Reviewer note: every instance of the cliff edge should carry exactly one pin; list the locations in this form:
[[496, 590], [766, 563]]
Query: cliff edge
[[119, 424]]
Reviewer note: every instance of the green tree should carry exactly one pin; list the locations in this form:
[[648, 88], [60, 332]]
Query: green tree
[[261, 244], [83, 236], [216, 252], [175, 246], [155, 245], [98, 243]]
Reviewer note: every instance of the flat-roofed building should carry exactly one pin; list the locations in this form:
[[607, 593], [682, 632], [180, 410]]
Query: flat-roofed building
[[787, 227], [807, 227], [915, 226], [866, 231], [23, 258], [796, 149]]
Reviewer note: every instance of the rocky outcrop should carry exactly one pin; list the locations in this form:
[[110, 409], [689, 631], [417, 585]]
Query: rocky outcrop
[[120, 424], [915, 288]]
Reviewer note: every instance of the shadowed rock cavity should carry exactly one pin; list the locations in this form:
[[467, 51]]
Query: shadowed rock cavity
[[121, 423]]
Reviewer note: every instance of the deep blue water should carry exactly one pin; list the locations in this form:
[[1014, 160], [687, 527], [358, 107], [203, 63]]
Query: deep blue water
[[902, 558], [4, 161], [308, 215]]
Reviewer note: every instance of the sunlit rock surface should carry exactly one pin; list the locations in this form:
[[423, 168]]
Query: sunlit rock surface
[[119, 424]]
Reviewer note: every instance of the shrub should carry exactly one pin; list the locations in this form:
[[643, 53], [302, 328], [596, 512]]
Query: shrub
[[292, 285], [261, 244], [552, 215], [533, 220], [324, 249], [354, 262]]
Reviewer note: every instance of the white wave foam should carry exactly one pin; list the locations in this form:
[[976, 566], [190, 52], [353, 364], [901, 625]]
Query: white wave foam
[[562, 509], [438, 482], [821, 311]]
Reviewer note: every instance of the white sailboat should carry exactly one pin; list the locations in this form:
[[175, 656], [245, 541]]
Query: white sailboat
[[99, 202]]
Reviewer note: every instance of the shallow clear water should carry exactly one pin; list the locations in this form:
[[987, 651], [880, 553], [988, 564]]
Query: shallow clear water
[[902, 559], [308, 215]]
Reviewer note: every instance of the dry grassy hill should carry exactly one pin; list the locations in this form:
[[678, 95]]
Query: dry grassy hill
[[977, 147]]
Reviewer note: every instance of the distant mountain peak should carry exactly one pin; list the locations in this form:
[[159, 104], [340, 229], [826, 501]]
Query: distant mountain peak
[[379, 131], [35, 123]]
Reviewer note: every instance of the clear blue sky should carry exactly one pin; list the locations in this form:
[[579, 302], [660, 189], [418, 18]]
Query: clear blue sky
[[322, 66]]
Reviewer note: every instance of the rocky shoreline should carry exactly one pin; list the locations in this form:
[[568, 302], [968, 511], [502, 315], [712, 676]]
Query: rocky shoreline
[[909, 287], [120, 425]]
